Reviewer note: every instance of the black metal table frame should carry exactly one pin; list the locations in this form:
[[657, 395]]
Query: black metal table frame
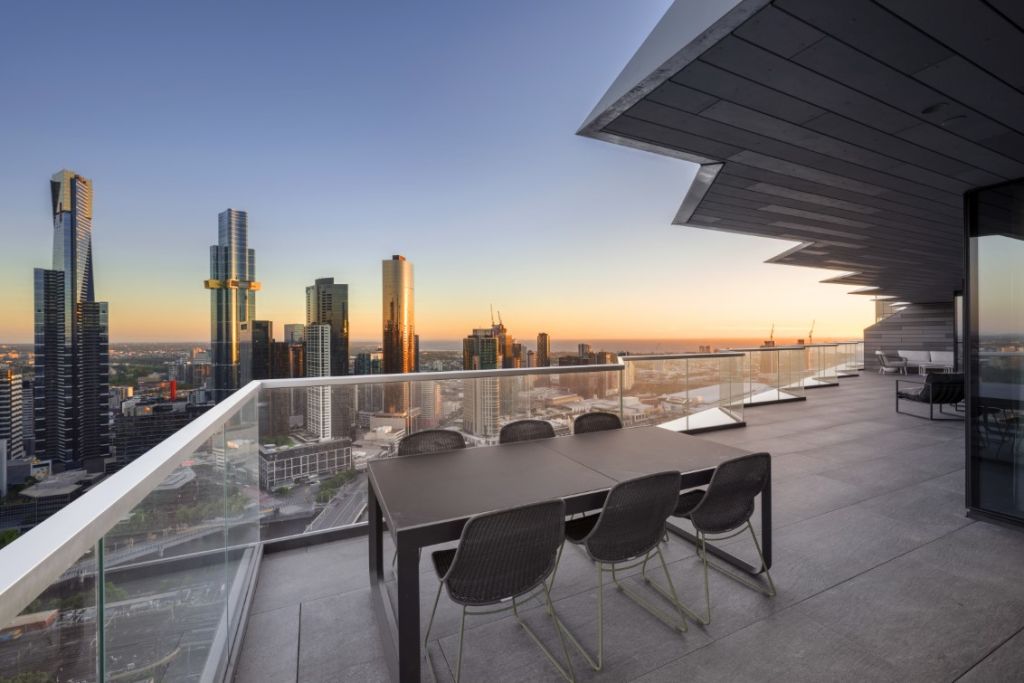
[[400, 633]]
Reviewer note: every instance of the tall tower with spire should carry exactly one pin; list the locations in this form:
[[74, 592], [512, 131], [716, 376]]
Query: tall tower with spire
[[72, 361]]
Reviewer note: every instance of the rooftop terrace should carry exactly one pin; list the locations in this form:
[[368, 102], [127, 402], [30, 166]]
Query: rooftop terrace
[[881, 576]]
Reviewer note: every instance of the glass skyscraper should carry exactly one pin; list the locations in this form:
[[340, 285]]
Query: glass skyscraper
[[72, 363], [399, 330], [233, 288]]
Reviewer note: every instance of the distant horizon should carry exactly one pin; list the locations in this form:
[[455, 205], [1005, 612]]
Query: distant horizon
[[567, 344]]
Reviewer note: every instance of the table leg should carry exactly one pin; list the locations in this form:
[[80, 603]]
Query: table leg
[[408, 610], [376, 534]]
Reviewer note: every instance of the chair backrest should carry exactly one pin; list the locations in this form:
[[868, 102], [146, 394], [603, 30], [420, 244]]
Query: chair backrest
[[945, 388], [632, 521], [431, 441], [596, 422], [729, 500], [526, 430], [506, 553], [888, 361]]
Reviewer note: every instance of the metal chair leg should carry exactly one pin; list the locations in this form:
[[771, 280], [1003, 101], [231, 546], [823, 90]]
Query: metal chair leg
[[462, 636], [702, 551], [568, 675], [669, 595], [597, 664], [430, 623]]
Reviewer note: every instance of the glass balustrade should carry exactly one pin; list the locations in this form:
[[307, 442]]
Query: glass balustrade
[[773, 374], [822, 364], [315, 440], [684, 392]]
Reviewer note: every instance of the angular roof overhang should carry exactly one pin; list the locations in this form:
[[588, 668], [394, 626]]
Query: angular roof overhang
[[849, 126]]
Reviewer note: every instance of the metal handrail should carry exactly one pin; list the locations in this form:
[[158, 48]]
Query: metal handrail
[[683, 356], [35, 560]]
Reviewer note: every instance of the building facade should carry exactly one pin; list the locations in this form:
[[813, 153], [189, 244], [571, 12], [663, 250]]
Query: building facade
[[543, 358], [327, 304], [481, 350], [71, 369], [399, 329], [233, 288], [318, 364], [11, 413]]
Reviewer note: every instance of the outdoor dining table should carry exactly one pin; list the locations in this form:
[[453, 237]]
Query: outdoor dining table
[[426, 499]]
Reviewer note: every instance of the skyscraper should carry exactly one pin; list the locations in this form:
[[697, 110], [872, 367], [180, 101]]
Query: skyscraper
[[262, 341], [72, 372], [481, 350], [543, 350], [233, 290], [399, 321], [398, 330], [10, 412], [327, 304], [318, 364]]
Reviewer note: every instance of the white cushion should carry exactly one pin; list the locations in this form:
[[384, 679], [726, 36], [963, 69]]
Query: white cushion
[[942, 357], [916, 356]]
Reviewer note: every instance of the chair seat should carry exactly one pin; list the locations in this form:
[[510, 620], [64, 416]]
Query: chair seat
[[687, 502], [443, 561], [577, 529], [913, 395]]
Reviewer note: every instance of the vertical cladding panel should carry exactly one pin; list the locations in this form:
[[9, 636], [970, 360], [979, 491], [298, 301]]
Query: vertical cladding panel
[[918, 327]]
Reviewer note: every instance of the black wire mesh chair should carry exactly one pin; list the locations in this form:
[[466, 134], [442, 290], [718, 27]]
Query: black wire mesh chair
[[501, 557], [726, 508], [628, 532], [431, 441], [939, 389], [428, 441], [596, 422], [526, 430]]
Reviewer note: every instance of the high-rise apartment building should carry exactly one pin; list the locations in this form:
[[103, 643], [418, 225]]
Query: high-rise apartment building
[[318, 364], [72, 372], [327, 304], [543, 350], [11, 412], [233, 288], [370, 396], [261, 340], [481, 350], [399, 329]]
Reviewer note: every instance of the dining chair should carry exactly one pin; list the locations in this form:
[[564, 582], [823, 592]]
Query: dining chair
[[428, 441], [431, 441], [526, 430], [505, 557], [596, 422], [726, 508], [624, 535]]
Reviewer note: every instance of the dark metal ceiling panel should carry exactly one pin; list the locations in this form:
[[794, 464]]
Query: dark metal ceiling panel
[[852, 127]]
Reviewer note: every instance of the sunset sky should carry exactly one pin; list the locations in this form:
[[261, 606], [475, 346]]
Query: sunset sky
[[352, 131]]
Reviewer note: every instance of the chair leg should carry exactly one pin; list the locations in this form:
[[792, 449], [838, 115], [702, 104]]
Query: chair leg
[[433, 612], [599, 662], [462, 636], [740, 578], [567, 674]]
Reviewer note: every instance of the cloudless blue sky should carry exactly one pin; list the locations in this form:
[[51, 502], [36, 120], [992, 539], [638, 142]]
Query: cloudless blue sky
[[349, 131]]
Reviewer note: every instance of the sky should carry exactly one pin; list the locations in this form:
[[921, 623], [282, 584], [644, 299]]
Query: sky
[[351, 131]]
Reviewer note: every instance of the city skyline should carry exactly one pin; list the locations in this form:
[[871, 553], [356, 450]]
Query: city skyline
[[357, 176]]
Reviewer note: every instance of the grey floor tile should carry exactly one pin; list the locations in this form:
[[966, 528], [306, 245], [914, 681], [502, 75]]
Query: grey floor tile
[[928, 622], [270, 650], [783, 647], [1004, 665]]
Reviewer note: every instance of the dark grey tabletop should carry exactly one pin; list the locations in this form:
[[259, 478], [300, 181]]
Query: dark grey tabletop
[[626, 453], [428, 489]]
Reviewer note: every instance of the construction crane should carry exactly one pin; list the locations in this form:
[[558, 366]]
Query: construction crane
[[810, 335], [771, 335]]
